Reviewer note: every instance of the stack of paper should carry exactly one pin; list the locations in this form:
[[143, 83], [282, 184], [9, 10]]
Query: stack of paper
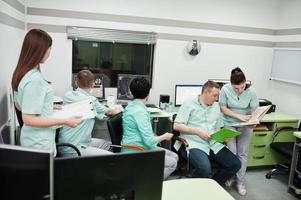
[[153, 110], [85, 109], [256, 117]]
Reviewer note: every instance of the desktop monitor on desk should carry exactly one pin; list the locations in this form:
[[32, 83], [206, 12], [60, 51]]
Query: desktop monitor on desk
[[123, 86], [24, 173], [98, 90], [184, 92], [124, 176]]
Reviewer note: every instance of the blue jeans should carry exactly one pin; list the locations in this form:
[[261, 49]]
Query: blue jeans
[[200, 165]]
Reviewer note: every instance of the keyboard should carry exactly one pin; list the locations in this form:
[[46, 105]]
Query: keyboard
[[151, 106]]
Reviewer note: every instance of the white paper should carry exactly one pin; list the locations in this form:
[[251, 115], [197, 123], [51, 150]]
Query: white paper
[[256, 117], [154, 110], [85, 109]]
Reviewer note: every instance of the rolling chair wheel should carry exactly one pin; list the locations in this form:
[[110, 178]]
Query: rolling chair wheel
[[268, 176]]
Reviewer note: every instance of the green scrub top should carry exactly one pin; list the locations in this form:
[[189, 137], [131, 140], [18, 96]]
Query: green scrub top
[[79, 136], [241, 104], [137, 128], [198, 115], [35, 97]]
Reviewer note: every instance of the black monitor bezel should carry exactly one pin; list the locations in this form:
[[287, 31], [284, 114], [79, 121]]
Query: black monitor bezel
[[75, 177]]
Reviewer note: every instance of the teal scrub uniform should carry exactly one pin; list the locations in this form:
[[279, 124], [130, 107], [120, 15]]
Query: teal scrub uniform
[[79, 136], [208, 118], [137, 128], [241, 104], [35, 97]]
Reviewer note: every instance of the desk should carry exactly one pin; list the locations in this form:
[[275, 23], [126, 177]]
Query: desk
[[294, 169], [194, 189], [260, 153]]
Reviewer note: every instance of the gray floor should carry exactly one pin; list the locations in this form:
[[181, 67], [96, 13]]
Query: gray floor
[[260, 188]]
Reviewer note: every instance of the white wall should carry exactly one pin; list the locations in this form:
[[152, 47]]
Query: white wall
[[10, 44], [172, 64], [287, 96]]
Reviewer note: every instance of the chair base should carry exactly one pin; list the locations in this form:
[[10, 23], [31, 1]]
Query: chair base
[[278, 169]]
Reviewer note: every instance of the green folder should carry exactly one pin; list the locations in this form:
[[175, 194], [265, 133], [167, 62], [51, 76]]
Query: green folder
[[223, 134]]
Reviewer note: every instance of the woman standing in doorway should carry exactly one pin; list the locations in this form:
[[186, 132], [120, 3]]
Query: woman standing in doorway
[[33, 95], [238, 101]]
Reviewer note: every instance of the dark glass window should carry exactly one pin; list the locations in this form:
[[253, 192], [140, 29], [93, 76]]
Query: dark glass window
[[109, 59]]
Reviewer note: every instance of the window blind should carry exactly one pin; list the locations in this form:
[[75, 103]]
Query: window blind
[[110, 35]]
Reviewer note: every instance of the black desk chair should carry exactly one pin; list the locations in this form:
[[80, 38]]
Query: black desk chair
[[18, 135], [283, 148]]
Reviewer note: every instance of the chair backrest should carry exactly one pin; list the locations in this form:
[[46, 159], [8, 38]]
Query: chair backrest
[[19, 117], [115, 129]]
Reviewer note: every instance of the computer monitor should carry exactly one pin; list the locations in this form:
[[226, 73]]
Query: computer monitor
[[24, 173], [123, 176], [99, 90], [123, 86], [184, 92]]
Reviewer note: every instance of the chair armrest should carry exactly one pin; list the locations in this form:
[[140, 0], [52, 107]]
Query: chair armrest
[[297, 134], [182, 140], [129, 146], [69, 145]]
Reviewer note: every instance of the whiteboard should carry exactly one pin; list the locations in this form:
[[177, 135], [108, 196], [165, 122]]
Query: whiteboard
[[286, 66]]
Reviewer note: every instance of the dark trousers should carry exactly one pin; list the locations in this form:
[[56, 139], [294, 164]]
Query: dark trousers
[[200, 164]]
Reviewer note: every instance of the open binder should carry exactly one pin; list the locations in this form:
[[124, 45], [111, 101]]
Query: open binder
[[85, 109], [256, 117]]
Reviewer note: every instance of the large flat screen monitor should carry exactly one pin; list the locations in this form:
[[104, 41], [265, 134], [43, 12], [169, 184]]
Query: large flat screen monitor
[[124, 176], [24, 173], [123, 86], [184, 92]]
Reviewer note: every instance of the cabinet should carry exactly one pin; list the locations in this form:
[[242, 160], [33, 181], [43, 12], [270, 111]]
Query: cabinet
[[260, 153]]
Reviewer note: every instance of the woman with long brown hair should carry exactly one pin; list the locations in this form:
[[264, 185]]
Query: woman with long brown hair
[[33, 95]]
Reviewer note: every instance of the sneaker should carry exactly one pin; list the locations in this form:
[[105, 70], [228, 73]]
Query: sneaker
[[241, 189], [230, 182]]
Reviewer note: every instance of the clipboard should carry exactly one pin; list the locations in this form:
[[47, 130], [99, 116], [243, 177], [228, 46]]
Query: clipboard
[[223, 134], [85, 109]]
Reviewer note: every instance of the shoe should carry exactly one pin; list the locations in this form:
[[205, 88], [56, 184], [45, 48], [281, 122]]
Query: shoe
[[230, 182], [241, 189]]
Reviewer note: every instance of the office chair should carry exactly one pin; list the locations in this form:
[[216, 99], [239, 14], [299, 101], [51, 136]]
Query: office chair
[[283, 148], [18, 135], [183, 163]]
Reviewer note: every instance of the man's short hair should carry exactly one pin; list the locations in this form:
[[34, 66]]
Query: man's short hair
[[209, 85], [85, 79], [140, 87]]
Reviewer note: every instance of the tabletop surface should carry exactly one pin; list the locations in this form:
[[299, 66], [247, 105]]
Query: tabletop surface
[[194, 189]]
